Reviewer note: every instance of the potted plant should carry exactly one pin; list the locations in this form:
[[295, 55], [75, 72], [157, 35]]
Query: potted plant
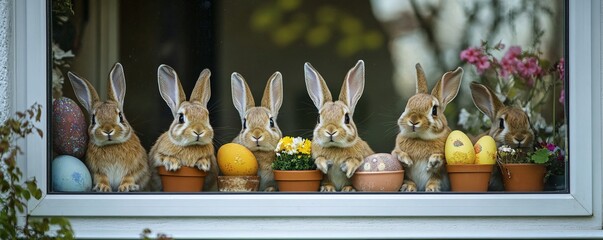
[[294, 168], [521, 171], [555, 169]]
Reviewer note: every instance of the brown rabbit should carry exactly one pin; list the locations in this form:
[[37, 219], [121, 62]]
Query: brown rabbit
[[116, 159], [336, 147], [259, 132], [189, 141], [510, 126], [423, 133]]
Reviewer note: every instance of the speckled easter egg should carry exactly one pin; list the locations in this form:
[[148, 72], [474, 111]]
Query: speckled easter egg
[[69, 129], [380, 162], [70, 174]]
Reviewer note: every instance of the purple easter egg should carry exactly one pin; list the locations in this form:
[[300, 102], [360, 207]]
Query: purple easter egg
[[69, 130], [380, 162]]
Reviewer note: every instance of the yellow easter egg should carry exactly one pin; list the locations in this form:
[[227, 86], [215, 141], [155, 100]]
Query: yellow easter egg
[[458, 149], [236, 160], [485, 150]]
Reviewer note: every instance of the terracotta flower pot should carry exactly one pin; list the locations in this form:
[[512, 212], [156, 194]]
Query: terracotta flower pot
[[298, 181], [469, 177], [385, 181], [238, 183], [185, 179], [519, 177]]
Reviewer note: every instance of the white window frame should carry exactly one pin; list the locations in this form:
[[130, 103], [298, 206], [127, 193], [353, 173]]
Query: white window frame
[[576, 214]]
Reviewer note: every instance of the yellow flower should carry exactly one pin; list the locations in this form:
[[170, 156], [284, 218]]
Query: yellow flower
[[306, 147], [285, 144]]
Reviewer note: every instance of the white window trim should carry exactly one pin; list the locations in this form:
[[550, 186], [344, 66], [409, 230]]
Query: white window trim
[[577, 214]]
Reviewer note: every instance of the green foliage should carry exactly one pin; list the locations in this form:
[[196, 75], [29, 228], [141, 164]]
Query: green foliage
[[286, 23], [540, 156], [289, 162], [15, 193]]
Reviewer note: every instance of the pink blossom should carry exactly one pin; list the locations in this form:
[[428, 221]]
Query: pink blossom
[[562, 97], [477, 57], [482, 64], [528, 69], [509, 61], [471, 55], [561, 68]]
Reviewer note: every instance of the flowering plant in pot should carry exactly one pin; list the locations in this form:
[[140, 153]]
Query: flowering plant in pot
[[523, 171], [294, 168]]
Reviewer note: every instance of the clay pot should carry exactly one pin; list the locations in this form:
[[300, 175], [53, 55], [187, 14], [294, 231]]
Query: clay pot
[[523, 177], [469, 177], [238, 183], [298, 181], [384, 181], [185, 179]]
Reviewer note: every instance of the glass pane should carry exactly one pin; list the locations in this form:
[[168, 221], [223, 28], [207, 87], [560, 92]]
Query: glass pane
[[515, 48]]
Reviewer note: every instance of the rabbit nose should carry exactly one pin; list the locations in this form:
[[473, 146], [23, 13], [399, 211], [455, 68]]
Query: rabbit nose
[[258, 138], [331, 134], [108, 132], [414, 123]]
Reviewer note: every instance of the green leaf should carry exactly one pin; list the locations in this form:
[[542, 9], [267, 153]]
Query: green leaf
[[540, 156]]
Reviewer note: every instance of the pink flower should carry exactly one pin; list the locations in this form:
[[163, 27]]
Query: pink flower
[[471, 55], [509, 62], [477, 57], [561, 68], [482, 64], [562, 97], [528, 69]]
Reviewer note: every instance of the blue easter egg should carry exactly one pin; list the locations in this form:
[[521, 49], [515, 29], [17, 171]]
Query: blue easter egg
[[70, 174], [69, 129]]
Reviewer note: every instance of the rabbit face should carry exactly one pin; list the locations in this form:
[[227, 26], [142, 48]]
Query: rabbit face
[[512, 127], [423, 118], [191, 125], [257, 133], [108, 125], [335, 127], [259, 130]]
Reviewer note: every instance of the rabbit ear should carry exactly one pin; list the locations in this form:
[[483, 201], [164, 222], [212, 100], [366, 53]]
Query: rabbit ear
[[84, 91], [117, 85], [485, 100], [241, 94], [316, 86], [353, 86], [273, 93], [202, 91], [421, 81], [448, 87], [170, 87]]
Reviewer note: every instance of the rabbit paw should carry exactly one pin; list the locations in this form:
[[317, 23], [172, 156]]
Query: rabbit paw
[[403, 158], [203, 164], [101, 187], [323, 164], [408, 187], [435, 162], [128, 187], [348, 189], [432, 188], [350, 166], [171, 163], [270, 189], [328, 188]]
